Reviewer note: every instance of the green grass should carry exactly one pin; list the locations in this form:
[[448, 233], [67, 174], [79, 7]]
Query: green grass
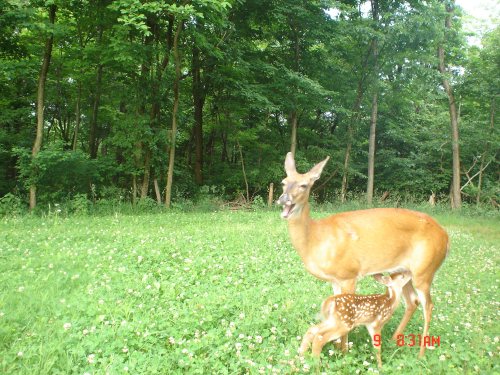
[[207, 293]]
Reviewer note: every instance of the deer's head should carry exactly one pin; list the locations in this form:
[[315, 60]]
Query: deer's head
[[296, 187]]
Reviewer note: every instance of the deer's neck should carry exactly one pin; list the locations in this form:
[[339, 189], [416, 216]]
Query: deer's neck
[[299, 228]]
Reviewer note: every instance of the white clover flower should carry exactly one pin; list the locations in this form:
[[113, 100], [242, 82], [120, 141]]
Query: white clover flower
[[91, 358], [125, 349], [442, 357], [66, 326], [20, 354], [85, 332]]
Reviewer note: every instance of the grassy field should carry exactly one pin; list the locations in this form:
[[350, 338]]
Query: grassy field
[[216, 293]]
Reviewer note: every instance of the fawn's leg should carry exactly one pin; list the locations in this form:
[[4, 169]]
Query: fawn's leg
[[376, 341], [348, 286], [328, 332], [308, 338]]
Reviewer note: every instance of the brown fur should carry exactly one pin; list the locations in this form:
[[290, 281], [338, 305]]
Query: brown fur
[[344, 247]]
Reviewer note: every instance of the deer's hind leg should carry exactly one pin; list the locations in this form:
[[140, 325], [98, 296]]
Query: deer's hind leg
[[308, 338], [329, 331]]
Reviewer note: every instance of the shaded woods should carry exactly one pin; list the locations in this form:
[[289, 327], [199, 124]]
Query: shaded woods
[[167, 101]]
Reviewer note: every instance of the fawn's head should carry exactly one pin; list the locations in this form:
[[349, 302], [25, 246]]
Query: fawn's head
[[296, 186], [394, 282]]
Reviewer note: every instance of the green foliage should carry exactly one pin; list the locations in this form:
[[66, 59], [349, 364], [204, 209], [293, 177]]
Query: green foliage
[[11, 205], [249, 66], [215, 293]]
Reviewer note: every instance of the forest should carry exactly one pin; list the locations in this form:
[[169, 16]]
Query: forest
[[170, 102]]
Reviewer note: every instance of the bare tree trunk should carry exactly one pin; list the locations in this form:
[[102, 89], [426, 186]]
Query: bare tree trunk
[[157, 190], [486, 152], [147, 170], [40, 100], [456, 201], [371, 150], [77, 115], [198, 102], [347, 158], [134, 189], [293, 138], [243, 170], [170, 173], [93, 142], [271, 195], [374, 114]]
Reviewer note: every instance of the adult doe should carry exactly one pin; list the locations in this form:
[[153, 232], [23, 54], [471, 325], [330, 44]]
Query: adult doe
[[347, 246], [343, 312]]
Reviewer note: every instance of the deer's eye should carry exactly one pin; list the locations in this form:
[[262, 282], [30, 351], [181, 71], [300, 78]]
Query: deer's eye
[[303, 186]]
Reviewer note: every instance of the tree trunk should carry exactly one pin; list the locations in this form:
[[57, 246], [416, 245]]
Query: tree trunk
[[371, 150], [374, 114], [157, 190], [147, 169], [243, 170], [271, 195], [134, 189], [293, 138], [486, 152], [456, 201], [93, 141], [347, 158], [170, 173], [198, 102], [77, 115], [40, 100]]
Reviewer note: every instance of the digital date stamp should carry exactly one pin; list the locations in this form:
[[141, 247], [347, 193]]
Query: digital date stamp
[[411, 340]]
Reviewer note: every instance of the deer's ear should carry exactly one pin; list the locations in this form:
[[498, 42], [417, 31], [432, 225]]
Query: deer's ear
[[315, 172], [290, 164]]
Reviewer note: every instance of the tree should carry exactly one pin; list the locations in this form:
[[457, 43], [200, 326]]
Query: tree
[[456, 196], [40, 99]]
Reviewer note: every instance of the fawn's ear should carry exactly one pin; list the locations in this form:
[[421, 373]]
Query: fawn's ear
[[315, 172], [403, 278], [386, 280], [290, 164]]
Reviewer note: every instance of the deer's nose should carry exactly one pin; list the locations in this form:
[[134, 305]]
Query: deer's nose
[[282, 199]]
